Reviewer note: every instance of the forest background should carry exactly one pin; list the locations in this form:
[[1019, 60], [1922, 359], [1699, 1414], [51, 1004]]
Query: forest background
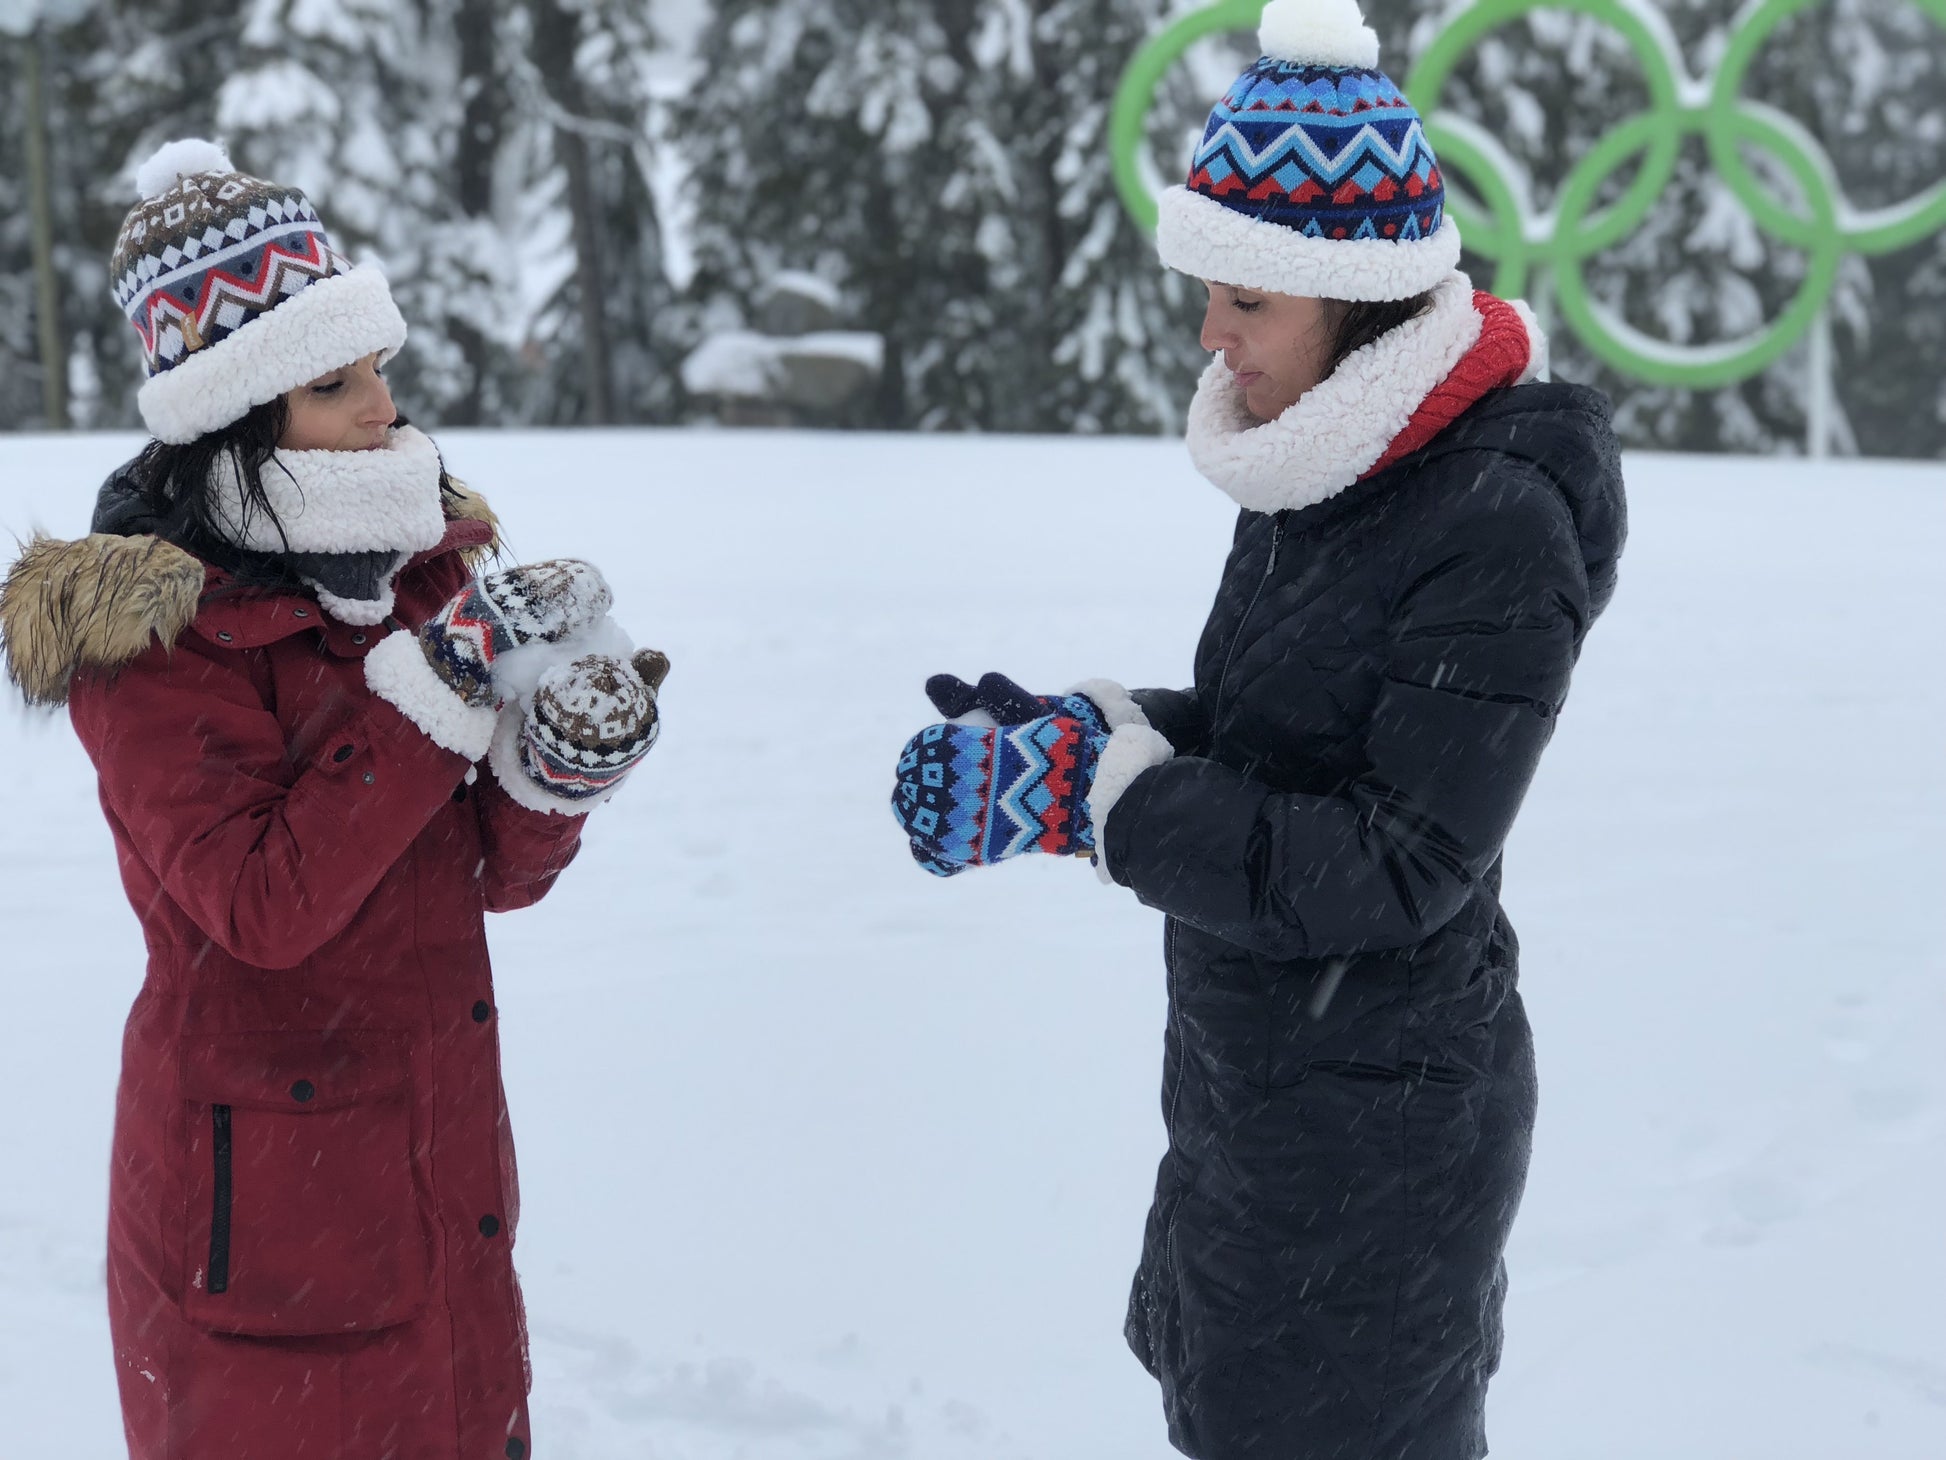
[[578, 198]]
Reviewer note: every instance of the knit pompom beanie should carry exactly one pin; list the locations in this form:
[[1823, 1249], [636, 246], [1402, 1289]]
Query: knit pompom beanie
[[236, 292], [1314, 176]]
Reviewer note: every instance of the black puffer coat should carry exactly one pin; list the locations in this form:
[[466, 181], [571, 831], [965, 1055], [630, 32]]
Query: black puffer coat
[[1349, 1078]]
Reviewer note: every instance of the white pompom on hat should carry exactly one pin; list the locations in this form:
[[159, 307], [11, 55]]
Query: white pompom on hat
[[236, 292], [175, 161], [1318, 33]]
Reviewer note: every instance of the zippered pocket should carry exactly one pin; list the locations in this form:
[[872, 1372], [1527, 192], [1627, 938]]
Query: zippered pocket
[[217, 1279], [309, 1212]]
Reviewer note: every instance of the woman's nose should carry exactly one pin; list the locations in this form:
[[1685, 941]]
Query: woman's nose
[[1216, 335], [379, 408]]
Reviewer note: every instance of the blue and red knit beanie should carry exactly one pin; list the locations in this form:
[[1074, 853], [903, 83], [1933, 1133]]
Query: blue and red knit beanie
[[236, 292], [1314, 176]]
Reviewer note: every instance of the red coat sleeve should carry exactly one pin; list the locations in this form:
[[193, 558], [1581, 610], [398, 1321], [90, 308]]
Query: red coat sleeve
[[270, 858], [522, 851]]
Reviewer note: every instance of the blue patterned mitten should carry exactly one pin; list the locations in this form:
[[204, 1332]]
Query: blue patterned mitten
[[970, 795]]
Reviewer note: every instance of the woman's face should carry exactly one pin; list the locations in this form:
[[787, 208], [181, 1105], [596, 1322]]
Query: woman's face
[[347, 410], [1276, 344]]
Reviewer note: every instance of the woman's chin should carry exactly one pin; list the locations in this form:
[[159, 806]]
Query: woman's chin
[[1261, 405]]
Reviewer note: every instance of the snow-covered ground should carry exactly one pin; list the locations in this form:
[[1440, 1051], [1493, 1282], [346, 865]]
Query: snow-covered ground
[[826, 1160]]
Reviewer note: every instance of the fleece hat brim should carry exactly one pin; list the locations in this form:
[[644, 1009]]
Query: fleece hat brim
[[1201, 237], [327, 325]]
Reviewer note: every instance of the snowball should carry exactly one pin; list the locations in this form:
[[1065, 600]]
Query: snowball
[[518, 672], [1318, 33], [174, 161]]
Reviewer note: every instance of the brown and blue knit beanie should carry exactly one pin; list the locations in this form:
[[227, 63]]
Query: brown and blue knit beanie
[[236, 292]]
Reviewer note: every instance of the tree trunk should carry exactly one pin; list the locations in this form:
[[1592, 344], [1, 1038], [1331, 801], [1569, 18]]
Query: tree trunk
[[481, 121], [47, 284], [556, 37]]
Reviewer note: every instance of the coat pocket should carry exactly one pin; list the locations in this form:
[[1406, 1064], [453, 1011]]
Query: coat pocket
[[305, 1209]]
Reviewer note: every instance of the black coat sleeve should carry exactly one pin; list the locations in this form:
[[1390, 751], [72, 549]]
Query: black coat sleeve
[[1484, 624], [1177, 714]]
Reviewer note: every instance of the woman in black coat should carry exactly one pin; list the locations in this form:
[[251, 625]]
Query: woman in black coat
[[1427, 532]]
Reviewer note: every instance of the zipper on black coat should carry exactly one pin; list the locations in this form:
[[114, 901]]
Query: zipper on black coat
[[219, 1222], [1270, 567]]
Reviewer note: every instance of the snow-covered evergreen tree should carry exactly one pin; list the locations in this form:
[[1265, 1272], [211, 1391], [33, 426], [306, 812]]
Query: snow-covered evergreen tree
[[607, 330], [947, 167], [836, 137], [1098, 335]]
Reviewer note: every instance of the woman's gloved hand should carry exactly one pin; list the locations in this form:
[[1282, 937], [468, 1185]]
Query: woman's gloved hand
[[590, 724], [972, 795], [441, 678], [546, 601]]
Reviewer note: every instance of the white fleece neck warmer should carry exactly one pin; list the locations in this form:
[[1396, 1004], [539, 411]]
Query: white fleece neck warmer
[[342, 503], [1337, 430]]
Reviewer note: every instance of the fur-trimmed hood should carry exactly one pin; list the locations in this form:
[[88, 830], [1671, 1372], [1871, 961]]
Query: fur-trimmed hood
[[97, 603]]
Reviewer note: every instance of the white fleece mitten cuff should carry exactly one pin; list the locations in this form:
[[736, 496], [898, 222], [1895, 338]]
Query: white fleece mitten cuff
[[397, 672], [1131, 750], [1116, 704]]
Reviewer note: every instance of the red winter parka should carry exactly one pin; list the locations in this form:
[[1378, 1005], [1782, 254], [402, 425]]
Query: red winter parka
[[313, 1199]]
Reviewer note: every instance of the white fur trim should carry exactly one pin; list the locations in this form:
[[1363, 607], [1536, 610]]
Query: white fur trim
[[1318, 33], [360, 612], [1539, 367], [323, 327], [170, 163], [1340, 427], [1131, 750], [1200, 237], [1116, 704], [340, 501], [503, 759], [397, 672]]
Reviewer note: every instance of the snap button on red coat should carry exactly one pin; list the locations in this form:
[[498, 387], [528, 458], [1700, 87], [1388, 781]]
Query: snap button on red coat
[[358, 638], [369, 778], [482, 1011], [300, 613], [516, 1450], [342, 754], [302, 1091], [489, 1226]]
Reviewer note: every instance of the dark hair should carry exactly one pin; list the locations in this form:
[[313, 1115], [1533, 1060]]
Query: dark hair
[[172, 486], [1353, 324], [172, 483]]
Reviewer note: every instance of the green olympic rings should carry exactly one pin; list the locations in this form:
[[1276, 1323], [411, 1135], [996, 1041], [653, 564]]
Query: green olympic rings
[[1507, 228]]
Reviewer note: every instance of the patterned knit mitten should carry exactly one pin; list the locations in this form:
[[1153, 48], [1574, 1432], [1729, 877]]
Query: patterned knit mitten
[[998, 698], [971, 795], [504, 610], [591, 722]]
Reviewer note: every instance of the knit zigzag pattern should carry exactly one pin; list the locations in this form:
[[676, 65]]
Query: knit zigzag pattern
[[200, 262], [537, 601], [972, 796], [1326, 151]]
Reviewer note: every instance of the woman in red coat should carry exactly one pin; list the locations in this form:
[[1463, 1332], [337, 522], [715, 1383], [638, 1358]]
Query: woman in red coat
[[323, 762]]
